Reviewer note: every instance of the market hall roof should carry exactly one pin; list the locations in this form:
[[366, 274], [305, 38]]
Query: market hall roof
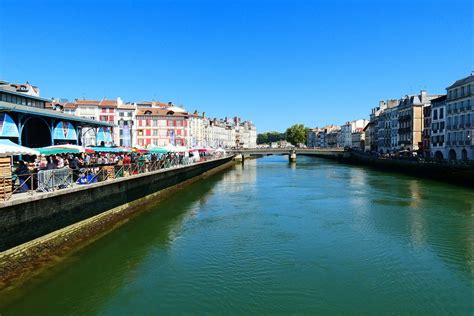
[[24, 95], [8, 107]]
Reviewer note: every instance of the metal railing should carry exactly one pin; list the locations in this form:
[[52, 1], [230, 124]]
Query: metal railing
[[58, 179]]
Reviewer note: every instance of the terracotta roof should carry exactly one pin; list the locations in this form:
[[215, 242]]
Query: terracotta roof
[[153, 104], [69, 105], [108, 103], [126, 106], [87, 102], [159, 112]]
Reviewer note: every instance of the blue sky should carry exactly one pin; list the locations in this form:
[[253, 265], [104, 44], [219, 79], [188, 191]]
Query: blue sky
[[273, 62]]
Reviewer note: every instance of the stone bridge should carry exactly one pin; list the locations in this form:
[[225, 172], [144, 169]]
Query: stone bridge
[[292, 152]]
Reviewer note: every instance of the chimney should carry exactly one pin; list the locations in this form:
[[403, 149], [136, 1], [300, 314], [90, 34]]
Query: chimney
[[423, 96]]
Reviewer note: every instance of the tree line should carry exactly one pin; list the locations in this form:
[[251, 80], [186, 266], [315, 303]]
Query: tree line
[[295, 134]]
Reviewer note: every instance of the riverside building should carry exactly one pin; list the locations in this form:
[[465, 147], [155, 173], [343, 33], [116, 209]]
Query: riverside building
[[460, 119], [410, 120], [438, 128]]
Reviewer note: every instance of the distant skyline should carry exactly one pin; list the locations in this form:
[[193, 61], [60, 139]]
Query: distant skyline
[[276, 63]]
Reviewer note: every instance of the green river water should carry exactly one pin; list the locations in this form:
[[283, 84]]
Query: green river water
[[317, 237]]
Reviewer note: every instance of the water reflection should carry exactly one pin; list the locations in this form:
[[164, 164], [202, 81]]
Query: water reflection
[[121, 254], [428, 214]]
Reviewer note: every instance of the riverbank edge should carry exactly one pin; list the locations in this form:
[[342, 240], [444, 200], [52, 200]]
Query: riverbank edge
[[443, 173], [20, 263]]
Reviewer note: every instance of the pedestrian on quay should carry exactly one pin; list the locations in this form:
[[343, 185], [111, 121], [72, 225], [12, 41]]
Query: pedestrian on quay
[[43, 163], [50, 163], [60, 162], [23, 174]]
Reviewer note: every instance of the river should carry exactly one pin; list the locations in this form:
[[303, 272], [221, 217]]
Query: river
[[275, 238]]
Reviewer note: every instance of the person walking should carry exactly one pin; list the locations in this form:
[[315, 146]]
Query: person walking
[[23, 174]]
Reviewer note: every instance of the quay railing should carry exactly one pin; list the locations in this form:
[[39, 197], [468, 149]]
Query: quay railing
[[63, 178]]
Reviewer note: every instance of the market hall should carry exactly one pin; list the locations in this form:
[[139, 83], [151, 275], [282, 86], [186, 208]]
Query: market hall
[[26, 120]]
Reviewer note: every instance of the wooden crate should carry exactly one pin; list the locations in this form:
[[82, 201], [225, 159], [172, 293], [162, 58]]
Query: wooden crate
[[5, 178]]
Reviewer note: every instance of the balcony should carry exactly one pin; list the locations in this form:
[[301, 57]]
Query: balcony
[[404, 142], [404, 117]]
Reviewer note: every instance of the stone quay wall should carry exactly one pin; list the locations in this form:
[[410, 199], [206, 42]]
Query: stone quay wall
[[23, 220]]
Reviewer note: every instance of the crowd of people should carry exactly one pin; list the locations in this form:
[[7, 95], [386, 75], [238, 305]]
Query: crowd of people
[[86, 167]]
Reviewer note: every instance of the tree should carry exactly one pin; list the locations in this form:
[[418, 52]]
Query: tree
[[270, 137], [262, 138], [296, 134]]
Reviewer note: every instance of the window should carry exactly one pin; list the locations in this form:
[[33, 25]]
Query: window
[[441, 113], [155, 132], [435, 114], [148, 132], [155, 122], [121, 114], [103, 110], [140, 132]]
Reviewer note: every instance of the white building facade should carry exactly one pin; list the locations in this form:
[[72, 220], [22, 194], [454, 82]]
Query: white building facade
[[460, 119]]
